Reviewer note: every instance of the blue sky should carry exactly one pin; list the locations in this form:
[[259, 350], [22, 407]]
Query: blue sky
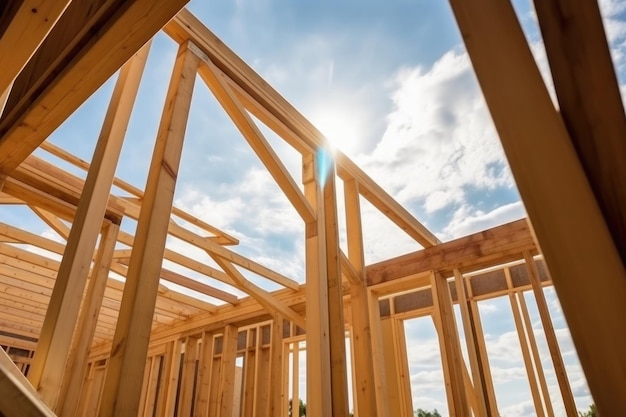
[[391, 85]]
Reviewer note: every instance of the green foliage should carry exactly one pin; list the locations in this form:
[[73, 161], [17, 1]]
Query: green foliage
[[423, 413], [590, 413], [301, 409]]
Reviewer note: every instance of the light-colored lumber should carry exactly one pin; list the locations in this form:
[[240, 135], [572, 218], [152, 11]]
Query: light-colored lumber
[[363, 365], [479, 389], [590, 101], [27, 24], [521, 331], [18, 398], [551, 339], [450, 347], [187, 393], [288, 119], [226, 386], [205, 370], [576, 242], [90, 42], [534, 350], [216, 81], [130, 345], [86, 325], [336, 323], [490, 247], [318, 385], [277, 347], [262, 296], [46, 373]]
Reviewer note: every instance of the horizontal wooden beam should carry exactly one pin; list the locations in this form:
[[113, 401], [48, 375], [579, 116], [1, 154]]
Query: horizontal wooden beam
[[498, 245]]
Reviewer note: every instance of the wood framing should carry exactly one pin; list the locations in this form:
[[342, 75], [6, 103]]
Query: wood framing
[[577, 244], [203, 335]]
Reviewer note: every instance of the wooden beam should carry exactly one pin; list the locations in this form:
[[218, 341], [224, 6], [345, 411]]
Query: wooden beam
[[263, 297], [277, 363], [187, 393], [490, 247], [318, 385], [284, 118], [86, 325], [90, 42], [336, 322], [576, 242], [46, 373], [25, 23], [125, 369], [551, 339], [473, 352], [216, 81], [18, 397], [226, 385], [363, 363], [453, 363], [590, 101]]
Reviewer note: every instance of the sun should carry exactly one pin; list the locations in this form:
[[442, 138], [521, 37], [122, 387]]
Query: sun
[[342, 129]]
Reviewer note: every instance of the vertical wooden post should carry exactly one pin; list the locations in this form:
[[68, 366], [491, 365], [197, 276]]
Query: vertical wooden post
[[295, 380], [396, 368], [130, 343], [204, 376], [576, 243], [336, 323], [378, 355], [87, 321], [553, 344], [451, 356], [521, 334], [276, 370], [187, 393], [363, 363], [46, 372], [478, 381], [226, 387], [317, 336], [171, 365], [534, 350], [483, 360]]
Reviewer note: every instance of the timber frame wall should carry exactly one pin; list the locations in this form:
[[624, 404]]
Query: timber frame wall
[[93, 345]]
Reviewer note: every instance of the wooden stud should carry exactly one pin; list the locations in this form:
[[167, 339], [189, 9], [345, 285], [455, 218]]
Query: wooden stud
[[226, 385], [167, 401], [363, 365], [577, 243], [187, 393], [318, 384], [130, 344], [551, 339], [451, 357], [277, 364], [46, 373], [205, 370], [86, 325], [336, 323], [534, 350], [478, 381], [526, 355]]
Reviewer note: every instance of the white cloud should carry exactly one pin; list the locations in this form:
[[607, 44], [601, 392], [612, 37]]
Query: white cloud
[[467, 220], [439, 138]]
